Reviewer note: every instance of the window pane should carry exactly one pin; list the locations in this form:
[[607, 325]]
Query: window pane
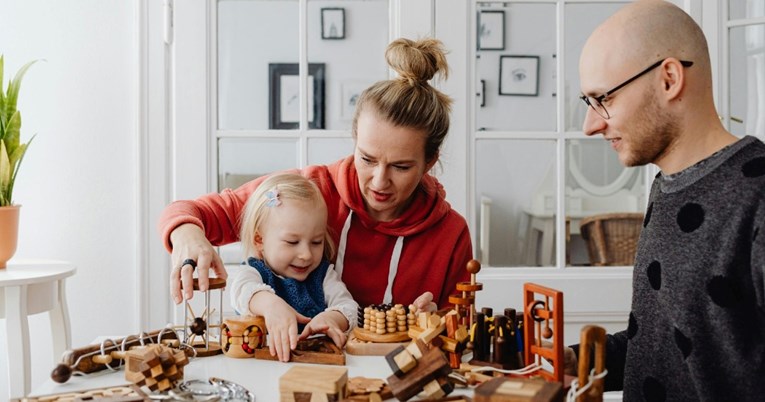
[[243, 159], [515, 183], [351, 45], [251, 35], [596, 184], [740, 9], [746, 72], [515, 68], [323, 151], [581, 20]]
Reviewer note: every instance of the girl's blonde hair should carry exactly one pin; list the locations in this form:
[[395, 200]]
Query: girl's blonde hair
[[409, 100], [270, 194]]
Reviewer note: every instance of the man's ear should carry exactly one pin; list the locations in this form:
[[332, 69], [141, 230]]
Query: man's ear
[[672, 78]]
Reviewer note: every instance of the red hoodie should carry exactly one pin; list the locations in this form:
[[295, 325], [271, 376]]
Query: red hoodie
[[436, 244]]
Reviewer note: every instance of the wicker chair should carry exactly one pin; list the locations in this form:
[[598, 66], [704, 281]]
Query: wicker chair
[[612, 238]]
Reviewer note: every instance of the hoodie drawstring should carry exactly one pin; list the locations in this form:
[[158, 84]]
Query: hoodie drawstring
[[394, 259]]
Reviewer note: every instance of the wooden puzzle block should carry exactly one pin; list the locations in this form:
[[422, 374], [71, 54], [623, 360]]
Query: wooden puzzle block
[[240, 336], [430, 366], [318, 350], [506, 389], [156, 366], [301, 383]]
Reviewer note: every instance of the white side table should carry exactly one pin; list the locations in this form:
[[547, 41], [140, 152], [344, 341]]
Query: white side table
[[29, 287]]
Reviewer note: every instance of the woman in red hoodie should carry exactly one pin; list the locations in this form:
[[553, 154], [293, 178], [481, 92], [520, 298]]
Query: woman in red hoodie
[[397, 237]]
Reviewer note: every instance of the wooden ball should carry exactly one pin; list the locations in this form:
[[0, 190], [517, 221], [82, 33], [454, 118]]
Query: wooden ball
[[547, 333], [473, 266], [61, 374]]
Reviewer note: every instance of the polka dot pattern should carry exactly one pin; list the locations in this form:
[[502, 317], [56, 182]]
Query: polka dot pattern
[[690, 217], [683, 343], [632, 327], [754, 168], [648, 215], [756, 231], [654, 275], [653, 390], [724, 292]]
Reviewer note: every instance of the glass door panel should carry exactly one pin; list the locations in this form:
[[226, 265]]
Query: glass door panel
[[746, 74], [254, 35], [515, 184]]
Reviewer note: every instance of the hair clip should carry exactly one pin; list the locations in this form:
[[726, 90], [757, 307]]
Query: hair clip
[[272, 197]]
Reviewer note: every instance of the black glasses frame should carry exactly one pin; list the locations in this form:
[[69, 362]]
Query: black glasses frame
[[598, 106]]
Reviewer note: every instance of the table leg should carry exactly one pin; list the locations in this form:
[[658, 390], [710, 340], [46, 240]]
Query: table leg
[[59, 323], [17, 327]]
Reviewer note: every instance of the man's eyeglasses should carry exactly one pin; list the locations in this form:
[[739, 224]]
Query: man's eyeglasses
[[596, 102]]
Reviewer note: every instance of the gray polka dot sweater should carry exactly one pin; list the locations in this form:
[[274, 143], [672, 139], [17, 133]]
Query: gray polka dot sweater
[[697, 327]]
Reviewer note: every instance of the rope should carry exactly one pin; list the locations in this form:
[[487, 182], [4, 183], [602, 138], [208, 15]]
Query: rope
[[574, 393]]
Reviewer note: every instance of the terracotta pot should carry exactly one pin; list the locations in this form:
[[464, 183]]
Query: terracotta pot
[[9, 232]]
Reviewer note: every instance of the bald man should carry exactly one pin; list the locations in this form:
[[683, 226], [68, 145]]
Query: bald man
[[697, 326]]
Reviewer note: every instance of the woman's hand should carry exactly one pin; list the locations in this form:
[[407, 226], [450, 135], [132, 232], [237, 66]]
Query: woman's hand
[[333, 323], [189, 243], [424, 303], [281, 322]]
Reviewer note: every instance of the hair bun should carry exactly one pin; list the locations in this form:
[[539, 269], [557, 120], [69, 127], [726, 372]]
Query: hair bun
[[417, 61]]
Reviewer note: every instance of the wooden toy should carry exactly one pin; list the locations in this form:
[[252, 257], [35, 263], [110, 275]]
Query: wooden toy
[[303, 383], [200, 326], [593, 336], [108, 354], [464, 301], [318, 350], [241, 336], [381, 328], [157, 367], [443, 332], [416, 369], [125, 393], [368, 389], [536, 311], [494, 340], [506, 389]]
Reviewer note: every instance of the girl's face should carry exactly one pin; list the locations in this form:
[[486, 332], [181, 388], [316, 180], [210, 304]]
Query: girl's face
[[291, 239], [390, 162]]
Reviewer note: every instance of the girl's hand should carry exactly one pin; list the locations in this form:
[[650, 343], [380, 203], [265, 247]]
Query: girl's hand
[[332, 323], [281, 322]]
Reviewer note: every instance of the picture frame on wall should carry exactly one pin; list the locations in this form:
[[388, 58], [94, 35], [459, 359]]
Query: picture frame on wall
[[491, 30], [333, 23], [519, 75], [350, 93], [284, 95]]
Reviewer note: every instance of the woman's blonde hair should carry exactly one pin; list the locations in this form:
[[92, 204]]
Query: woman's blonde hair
[[270, 194], [409, 100]]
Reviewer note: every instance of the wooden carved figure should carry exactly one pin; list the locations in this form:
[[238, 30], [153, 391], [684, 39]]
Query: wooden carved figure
[[241, 336], [543, 310], [302, 383], [199, 326], [494, 340]]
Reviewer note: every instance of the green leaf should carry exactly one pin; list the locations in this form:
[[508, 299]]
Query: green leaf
[[13, 89], [12, 132], [5, 174]]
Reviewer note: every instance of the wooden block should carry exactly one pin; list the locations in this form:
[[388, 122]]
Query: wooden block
[[319, 350], [331, 382], [432, 365], [432, 390], [404, 361], [506, 389], [430, 333]]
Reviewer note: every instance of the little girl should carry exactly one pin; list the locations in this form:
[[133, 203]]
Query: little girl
[[290, 281]]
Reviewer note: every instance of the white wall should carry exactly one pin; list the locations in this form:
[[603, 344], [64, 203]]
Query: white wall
[[77, 184]]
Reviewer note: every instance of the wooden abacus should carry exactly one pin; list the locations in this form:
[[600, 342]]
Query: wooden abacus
[[548, 308], [384, 323]]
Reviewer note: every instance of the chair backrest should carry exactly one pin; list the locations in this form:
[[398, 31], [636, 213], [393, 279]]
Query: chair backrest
[[612, 238]]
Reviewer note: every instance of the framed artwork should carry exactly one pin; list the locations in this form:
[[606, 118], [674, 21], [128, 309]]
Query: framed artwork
[[333, 23], [350, 96], [519, 75], [491, 30], [284, 96]]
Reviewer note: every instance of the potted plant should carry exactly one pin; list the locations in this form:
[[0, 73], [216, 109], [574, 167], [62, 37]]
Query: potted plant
[[12, 151]]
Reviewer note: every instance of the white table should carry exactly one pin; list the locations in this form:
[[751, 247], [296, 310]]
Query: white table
[[30, 287]]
